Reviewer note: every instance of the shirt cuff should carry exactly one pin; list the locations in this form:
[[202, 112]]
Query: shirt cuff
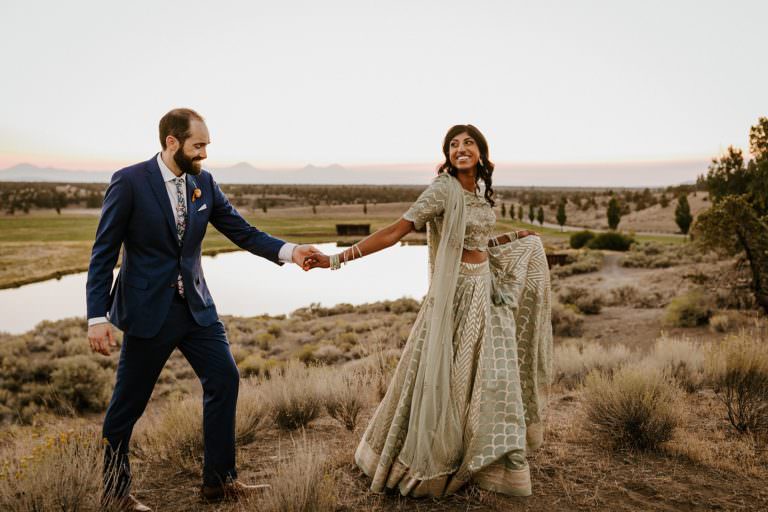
[[286, 253], [97, 320]]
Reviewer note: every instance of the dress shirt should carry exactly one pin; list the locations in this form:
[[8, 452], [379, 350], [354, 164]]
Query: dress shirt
[[286, 251]]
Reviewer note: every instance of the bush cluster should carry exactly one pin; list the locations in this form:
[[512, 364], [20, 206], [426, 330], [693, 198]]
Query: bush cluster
[[611, 241], [689, 310], [586, 301], [580, 239], [635, 408]]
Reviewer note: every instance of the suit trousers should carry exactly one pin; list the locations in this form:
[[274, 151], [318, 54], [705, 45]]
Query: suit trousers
[[141, 361]]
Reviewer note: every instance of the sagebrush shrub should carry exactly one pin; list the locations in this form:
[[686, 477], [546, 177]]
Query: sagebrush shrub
[[738, 371], [681, 360], [82, 383], [587, 301], [566, 320], [689, 310], [635, 408], [303, 482], [573, 362], [62, 472], [294, 396], [343, 399]]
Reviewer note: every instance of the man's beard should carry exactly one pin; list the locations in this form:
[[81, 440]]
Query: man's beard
[[186, 164]]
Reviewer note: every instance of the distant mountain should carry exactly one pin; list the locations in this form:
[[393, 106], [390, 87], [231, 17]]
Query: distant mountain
[[28, 172], [601, 174]]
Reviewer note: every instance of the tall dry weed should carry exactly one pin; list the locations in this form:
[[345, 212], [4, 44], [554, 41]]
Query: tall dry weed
[[738, 371], [302, 482], [680, 359], [60, 473], [295, 396], [635, 408], [176, 434], [343, 397], [573, 361]]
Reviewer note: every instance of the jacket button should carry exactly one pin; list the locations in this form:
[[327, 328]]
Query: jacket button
[[172, 285]]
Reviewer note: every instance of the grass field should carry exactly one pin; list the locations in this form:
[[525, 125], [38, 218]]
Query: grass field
[[44, 245]]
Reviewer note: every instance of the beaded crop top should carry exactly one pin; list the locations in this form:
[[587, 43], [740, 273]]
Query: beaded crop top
[[431, 205]]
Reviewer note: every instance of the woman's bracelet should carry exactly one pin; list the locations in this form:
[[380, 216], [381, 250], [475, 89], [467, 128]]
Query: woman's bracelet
[[335, 262]]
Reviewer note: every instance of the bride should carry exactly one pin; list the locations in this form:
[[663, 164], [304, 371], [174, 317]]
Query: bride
[[466, 399]]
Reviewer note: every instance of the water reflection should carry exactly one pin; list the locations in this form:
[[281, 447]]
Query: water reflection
[[245, 285]]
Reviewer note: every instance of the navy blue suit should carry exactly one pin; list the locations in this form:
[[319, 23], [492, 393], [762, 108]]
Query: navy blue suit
[[145, 305]]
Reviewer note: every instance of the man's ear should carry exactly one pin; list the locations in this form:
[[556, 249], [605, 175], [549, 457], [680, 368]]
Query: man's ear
[[171, 142]]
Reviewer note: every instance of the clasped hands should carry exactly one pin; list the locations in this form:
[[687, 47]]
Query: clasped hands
[[309, 257]]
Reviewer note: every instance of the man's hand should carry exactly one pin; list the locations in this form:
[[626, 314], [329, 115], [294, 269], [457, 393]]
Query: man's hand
[[302, 252], [101, 339]]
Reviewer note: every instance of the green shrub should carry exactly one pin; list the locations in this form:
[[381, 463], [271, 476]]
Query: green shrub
[[581, 238], [82, 383], [611, 241], [256, 366], [635, 408], [689, 310], [738, 371], [265, 340]]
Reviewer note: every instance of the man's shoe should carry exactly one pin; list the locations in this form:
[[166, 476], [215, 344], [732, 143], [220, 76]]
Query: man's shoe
[[231, 491], [126, 503]]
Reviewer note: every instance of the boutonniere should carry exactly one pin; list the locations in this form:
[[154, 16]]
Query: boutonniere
[[196, 192]]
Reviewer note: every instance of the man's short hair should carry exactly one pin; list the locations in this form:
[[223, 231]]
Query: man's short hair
[[176, 123]]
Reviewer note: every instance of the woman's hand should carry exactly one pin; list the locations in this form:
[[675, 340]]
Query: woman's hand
[[318, 260], [524, 233]]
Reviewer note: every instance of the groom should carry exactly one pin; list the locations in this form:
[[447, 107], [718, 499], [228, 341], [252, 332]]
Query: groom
[[158, 211]]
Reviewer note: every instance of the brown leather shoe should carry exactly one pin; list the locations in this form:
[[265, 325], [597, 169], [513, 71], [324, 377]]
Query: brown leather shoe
[[231, 491], [125, 504]]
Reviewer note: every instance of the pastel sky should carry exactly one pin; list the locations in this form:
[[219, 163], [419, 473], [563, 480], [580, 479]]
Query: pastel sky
[[286, 83]]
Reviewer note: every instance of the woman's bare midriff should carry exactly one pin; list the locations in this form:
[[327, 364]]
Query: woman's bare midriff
[[473, 256]]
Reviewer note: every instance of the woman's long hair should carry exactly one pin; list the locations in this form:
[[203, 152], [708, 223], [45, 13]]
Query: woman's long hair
[[484, 166]]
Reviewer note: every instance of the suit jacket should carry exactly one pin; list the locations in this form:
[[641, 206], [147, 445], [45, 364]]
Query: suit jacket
[[137, 215]]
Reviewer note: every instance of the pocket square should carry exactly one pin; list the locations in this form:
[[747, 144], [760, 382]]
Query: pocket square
[[202, 208]]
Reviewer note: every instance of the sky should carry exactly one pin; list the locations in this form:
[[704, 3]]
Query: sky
[[365, 82]]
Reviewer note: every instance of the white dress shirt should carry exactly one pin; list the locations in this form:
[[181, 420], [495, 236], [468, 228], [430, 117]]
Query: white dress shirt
[[286, 251]]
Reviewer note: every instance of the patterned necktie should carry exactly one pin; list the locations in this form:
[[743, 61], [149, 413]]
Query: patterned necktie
[[181, 223]]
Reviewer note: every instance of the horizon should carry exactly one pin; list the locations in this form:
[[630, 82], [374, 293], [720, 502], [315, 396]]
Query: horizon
[[367, 85]]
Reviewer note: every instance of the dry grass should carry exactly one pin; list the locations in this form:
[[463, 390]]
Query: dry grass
[[738, 371], [587, 301], [302, 481], [175, 435], [343, 399], [679, 359], [294, 396], [566, 320], [573, 361], [635, 408], [61, 472]]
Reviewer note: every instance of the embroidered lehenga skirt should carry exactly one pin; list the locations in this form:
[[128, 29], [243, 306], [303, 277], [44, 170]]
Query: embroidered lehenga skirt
[[485, 382]]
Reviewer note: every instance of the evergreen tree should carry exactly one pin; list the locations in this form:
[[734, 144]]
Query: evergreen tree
[[531, 213], [503, 210], [540, 215], [613, 213], [683, 216], [561, 216], [520, 213]]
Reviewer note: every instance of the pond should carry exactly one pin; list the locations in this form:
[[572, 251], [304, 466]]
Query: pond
[[245, 285]]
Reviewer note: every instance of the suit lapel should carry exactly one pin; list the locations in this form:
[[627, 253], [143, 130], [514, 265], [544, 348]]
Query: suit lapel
[[161, 194]]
